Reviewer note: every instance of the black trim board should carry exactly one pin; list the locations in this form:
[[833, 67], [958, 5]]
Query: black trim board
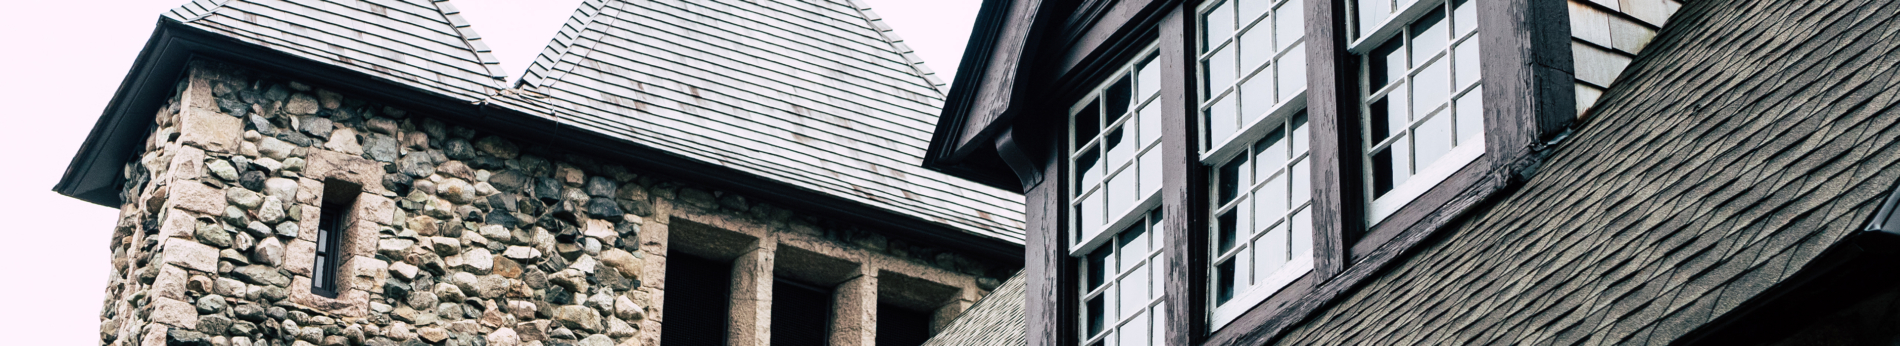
[[94, 175]]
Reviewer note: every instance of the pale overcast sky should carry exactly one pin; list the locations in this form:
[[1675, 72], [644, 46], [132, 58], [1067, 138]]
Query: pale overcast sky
[[66, 62]]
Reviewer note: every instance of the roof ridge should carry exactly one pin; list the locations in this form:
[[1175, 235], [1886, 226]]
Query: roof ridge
[[472, 40], [897, 45], [578, 23]]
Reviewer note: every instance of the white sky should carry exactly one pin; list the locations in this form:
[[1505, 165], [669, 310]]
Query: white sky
[[67, 62]]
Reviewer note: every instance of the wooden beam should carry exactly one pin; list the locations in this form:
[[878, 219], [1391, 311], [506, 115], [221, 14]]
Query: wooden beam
[[1183, 198]]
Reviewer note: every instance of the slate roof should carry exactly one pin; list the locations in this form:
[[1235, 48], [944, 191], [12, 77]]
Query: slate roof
[[420, 43], [1747, 138], [816, 94], [997, 320], [820, 95]]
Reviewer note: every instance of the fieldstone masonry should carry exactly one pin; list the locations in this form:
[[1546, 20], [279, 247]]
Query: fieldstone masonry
[[457, 238]]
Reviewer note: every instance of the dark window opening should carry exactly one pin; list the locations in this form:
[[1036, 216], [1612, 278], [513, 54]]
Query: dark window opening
[[898, 326], [801, 314], [338, 196], [697, 301]]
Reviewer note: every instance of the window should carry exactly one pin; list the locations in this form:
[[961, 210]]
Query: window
[[801, 314], [898, 326], [1254, 81], [1262, 225], [697, 300], [338, 197], [1252, 68], [1116, 180], [1122, 286], [1117, 169], [1422, 103]]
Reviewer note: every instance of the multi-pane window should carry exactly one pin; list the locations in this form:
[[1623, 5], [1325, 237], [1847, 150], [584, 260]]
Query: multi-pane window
[[1253, 75], [1252, 64], [1117, 129], [1115, 184], [1262, 221], [1122, 285], [1422, 101]]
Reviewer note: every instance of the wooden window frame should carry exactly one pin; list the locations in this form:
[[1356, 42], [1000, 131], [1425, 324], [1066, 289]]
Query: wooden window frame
[[1528, 101]]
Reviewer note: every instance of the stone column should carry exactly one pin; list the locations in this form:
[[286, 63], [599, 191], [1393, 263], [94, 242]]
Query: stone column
[[854, 310], [750, 323]]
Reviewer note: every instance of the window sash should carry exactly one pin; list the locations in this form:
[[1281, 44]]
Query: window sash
[[1098, 172], [1395, 171]]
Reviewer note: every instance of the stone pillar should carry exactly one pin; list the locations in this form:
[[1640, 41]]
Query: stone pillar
[[854, 310], [751, 318]]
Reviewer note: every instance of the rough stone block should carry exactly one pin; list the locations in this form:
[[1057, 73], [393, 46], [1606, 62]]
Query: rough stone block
[[363, 273], [178, 224], [373, 208], [309, 191], [325, 164], [175, 313], [349, 303], [299, 256], [197, 197], [170, 282], [187, 163], [209, 130], [191, 255], [360, 239]]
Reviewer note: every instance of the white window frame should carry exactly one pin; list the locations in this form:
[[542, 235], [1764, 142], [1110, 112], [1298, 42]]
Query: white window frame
[[1469, 146], [1144, 117], [1215, 150]]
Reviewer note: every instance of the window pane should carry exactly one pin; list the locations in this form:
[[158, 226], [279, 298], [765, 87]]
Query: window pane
[[1464, 16], [1302, 189], [1271, 250], [1298, 140], [1224, 282], [1381, 172], [1121, 192], [1116, 97], [1149, 79], [1231, 179], [1471, 115], [1088, 122], [1292, 73], [1270, 201], [1150, 172], [319, 272], [1220, 70], [1428, 36], [1160, 330], [1289, 24], [1092, 215], [1220, 23], [1150, 123], [1431, 87], [1399, 109], [1095, 313], [1221, 119], [1090, 166], [1371, 14], [1256, 47], [1098, 266], [1386, 64], [1270, 152], [1134, 291], [1433, 138], [1134, 243], [1135, 333], [1226, 231], [1119, 150], [1256, 96], [1251, 9], [1467, 63], [1302, 233]]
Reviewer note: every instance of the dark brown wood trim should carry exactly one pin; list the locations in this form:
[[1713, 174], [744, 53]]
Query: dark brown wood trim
[[1332, 95], [1049, 307], [1183, 201], [1119, 21]]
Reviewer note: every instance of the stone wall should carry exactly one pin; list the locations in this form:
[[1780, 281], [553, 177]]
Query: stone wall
[[457, 237]]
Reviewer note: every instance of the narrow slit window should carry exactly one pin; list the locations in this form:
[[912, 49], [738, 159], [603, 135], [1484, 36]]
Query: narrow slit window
[[698, 294], [338, 197]]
